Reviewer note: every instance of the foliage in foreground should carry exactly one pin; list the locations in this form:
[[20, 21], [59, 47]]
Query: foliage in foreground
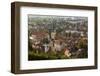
[[52, 56], [45, 56]]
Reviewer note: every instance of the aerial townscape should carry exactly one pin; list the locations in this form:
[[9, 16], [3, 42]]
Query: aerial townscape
[[57, 37]]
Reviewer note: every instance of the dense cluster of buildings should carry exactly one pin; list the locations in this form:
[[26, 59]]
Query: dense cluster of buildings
[[65, 37]]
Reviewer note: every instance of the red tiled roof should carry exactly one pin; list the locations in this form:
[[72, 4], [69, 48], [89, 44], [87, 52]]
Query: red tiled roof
[[39, 34]]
